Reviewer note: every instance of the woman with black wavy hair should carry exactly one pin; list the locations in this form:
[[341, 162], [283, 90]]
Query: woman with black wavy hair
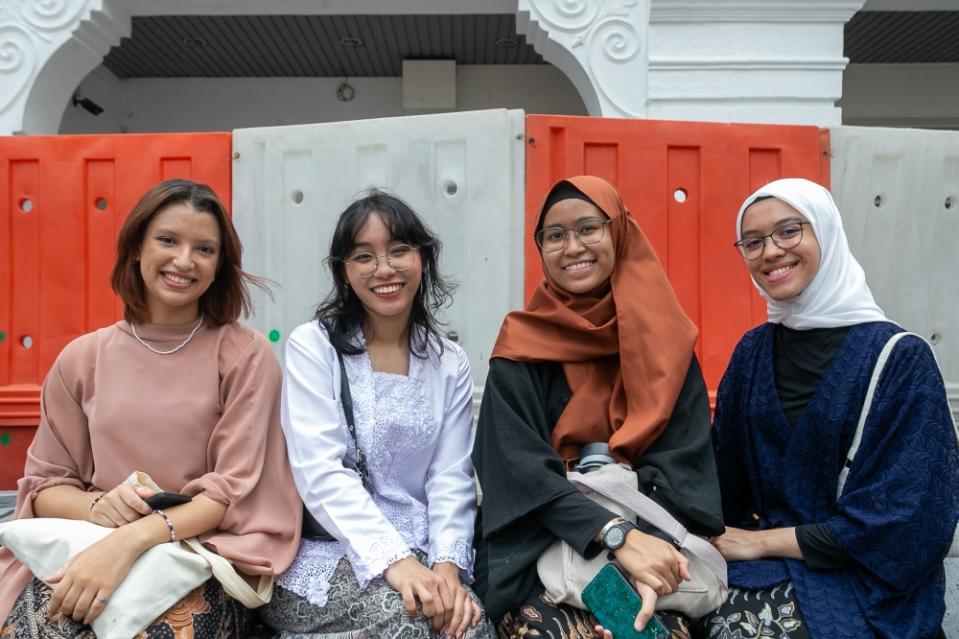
[[395, 496]]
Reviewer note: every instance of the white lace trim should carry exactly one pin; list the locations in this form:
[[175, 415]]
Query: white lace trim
[[459, 553], [310, 573]]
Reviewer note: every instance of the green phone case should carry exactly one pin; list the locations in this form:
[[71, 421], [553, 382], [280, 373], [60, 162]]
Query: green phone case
[[615, 605]]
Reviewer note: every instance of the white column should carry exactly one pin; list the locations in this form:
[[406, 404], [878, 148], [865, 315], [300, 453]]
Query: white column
[[46, 48], [599, 44], [776, 61]]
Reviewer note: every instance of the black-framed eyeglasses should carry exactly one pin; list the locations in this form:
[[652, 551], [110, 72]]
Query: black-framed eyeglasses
[[786, 236], [364, 264], [589, 231]]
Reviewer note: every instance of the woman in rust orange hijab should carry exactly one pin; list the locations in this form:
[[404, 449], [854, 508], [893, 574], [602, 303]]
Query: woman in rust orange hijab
[[603, 353]]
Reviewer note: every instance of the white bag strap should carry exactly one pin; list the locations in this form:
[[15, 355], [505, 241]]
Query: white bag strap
[[233, 584], [857, 438], [650, 511], [867, 404], [224, 572]]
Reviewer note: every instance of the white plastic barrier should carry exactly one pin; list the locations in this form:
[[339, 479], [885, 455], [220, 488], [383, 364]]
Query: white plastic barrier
[[898, 190], [462, 172]]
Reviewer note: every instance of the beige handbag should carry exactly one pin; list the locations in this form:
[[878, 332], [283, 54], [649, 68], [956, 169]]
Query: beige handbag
[[159, 578], [564, 572]]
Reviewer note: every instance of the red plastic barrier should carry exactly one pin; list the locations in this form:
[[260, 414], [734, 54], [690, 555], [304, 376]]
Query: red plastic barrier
[[62, 201], [684, 183]]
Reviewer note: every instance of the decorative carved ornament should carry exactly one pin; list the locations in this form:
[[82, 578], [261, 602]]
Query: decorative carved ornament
[[605, 38], [29, 32]]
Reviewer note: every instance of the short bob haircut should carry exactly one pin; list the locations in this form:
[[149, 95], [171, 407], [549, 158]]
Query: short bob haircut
[[227, 296], [342, 314]]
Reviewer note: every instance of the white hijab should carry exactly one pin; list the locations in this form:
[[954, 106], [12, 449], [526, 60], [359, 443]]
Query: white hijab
[[837, 295]]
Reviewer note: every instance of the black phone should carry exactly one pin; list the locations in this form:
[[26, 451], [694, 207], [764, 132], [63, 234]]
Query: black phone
[[615, 604], [159, 501]]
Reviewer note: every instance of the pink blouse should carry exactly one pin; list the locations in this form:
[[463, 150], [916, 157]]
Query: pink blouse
[[202, 420]]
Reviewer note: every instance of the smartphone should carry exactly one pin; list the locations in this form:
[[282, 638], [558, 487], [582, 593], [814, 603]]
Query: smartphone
[[159, 501], [615, 604]]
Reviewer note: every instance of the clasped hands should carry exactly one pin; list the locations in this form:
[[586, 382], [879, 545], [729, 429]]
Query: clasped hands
[[439, 591], [654, 567]]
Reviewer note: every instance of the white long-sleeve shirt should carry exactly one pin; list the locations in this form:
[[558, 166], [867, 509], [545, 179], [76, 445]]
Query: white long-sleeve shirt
[[416, 432]]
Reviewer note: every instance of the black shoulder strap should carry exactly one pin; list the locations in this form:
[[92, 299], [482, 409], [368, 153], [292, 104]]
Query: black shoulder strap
[[347, 399]]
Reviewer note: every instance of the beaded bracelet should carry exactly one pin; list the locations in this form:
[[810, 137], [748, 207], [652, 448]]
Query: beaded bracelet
[[96, 499], [169, 524]]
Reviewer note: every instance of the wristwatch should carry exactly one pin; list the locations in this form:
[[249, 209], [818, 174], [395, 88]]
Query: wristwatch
[[614, 536]]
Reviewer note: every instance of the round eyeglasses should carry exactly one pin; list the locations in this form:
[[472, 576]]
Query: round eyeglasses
[[364, 264], [589, 231], [786, 236]]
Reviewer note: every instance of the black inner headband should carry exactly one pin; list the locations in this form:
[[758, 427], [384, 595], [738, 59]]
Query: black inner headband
[[562, 191]]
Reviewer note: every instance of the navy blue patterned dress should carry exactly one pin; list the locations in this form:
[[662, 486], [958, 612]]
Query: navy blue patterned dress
[[900, 506]]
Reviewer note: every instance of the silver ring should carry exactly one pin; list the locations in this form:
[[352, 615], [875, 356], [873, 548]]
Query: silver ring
[[102, 600]]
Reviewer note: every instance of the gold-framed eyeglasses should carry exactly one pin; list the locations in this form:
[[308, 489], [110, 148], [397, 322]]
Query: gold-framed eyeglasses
[[787, 236], [364, 263], [588, 231]]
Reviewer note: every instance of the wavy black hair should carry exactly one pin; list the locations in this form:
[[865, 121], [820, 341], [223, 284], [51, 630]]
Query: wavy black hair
[[341, 313]]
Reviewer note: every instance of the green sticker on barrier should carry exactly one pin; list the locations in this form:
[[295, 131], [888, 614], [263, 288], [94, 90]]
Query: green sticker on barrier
[[274, 335], [5, 439], [3, 336]]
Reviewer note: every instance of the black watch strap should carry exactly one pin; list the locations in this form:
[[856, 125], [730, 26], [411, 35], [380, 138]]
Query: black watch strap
[[615, 535]]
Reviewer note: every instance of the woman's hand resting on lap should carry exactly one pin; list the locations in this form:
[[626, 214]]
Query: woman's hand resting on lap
[[653, 562], [414, 581], [465, 612], [655, 568], [83, 586]]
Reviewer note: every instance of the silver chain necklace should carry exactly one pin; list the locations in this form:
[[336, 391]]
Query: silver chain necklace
[[175, 348]]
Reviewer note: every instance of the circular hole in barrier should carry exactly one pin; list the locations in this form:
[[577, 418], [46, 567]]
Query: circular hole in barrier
[[680, 195], [101, 204], [26, 205], [297, 197], [450, 187], [949, 202], [879, 200], [26, 341], [935, 338], [274, 335]]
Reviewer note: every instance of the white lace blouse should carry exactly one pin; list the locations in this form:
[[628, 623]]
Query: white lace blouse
[[417, 434]]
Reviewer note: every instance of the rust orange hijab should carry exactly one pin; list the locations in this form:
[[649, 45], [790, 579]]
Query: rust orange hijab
[[625, 352]]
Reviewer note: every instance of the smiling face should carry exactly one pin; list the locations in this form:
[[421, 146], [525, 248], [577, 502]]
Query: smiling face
[[178, 259], [781, 273], [388, 294], [578, 268]]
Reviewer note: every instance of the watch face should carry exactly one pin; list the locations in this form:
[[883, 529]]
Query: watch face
[[615, 537]]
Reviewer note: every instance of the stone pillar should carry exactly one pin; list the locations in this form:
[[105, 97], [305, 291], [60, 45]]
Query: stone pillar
[[774, 61], [46, 48]]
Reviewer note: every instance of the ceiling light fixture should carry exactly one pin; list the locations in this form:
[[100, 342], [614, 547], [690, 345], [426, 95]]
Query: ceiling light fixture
[[507, 43], [351, 42], [194, 41]]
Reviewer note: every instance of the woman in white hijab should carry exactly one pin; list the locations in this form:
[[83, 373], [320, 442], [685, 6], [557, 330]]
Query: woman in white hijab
[[804, 563]]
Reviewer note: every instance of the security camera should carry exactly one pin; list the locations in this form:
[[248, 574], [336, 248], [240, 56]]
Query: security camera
[[88, 105]]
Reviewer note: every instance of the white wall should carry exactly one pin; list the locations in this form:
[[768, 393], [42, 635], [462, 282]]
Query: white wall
[[901, 95], [223, 104]]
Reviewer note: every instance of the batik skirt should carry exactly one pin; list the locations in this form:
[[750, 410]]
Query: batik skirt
[[206, 613]]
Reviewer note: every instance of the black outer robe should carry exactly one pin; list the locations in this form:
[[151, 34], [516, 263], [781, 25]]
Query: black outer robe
[[527, 500]]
